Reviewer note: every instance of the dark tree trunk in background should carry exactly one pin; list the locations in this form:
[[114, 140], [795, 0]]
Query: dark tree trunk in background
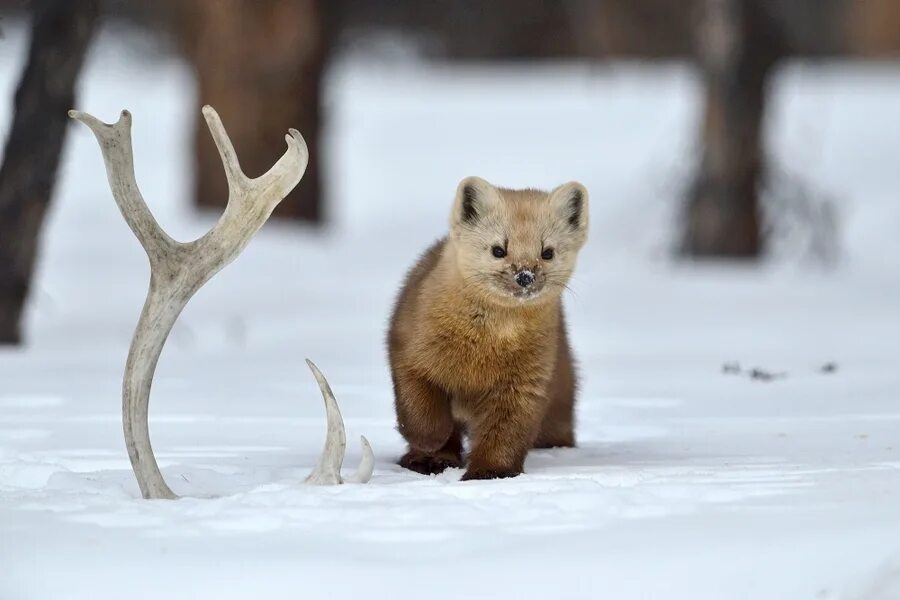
[[60, 36], [739, 43], [260, 64], [872, 28]]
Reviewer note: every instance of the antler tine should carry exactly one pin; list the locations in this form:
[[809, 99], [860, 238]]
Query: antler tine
[[366, 464], [115, 144], [328, 470], [293, 161], [250, 201], [278, 181], [233, 171], [178, 270]]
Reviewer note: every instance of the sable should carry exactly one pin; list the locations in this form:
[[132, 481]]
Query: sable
[[477, 342]]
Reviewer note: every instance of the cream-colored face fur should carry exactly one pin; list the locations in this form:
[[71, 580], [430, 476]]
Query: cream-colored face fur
[[517, 246]]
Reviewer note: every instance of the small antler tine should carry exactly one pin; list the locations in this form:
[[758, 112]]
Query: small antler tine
[[233, 172], [366, 463], [328, 471]]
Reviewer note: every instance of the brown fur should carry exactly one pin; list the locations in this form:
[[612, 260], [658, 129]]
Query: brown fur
[[469, 355]]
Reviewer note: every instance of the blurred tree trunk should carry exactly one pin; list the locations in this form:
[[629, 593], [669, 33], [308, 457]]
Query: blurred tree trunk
[[739, 43], [61, 32], [872, 28], [260, 64]]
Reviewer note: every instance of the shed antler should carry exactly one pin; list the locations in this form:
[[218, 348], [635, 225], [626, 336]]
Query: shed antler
[[328, 471], [178, 270]]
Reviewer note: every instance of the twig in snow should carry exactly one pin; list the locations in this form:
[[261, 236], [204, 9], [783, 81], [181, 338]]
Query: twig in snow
[[763, 375], [731, 368]]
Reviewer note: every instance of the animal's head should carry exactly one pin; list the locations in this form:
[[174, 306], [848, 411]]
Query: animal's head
[[517, 246]]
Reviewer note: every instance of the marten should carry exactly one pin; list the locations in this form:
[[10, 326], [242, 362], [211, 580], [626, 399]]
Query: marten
[[477, 341]]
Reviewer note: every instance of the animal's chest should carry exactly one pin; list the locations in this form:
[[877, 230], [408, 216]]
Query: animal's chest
[[474, 354]]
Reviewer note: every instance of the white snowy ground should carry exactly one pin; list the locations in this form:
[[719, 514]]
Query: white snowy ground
[[688, 483]]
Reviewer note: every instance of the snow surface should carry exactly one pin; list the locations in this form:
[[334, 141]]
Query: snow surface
[[688, 482]]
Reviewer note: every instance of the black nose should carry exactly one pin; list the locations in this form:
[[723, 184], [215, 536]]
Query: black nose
[[524, 278]]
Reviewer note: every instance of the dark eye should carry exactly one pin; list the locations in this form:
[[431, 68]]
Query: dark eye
[[498, 251], [547, 254]]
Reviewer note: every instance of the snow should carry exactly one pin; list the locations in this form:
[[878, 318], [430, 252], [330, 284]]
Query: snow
[[688, 482]]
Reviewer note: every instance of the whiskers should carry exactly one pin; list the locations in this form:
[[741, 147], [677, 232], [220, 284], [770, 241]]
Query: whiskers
[[560, 280], [500, 284], [476, 278]]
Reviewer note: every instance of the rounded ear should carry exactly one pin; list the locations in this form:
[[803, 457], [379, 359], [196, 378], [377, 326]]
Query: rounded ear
[[570, 201], [474, 198]]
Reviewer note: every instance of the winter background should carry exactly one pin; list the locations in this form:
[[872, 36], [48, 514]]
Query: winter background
[[688, 482]]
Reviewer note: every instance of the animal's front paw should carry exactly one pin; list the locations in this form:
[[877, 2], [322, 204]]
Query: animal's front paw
[[489, 474], [428, 464]]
